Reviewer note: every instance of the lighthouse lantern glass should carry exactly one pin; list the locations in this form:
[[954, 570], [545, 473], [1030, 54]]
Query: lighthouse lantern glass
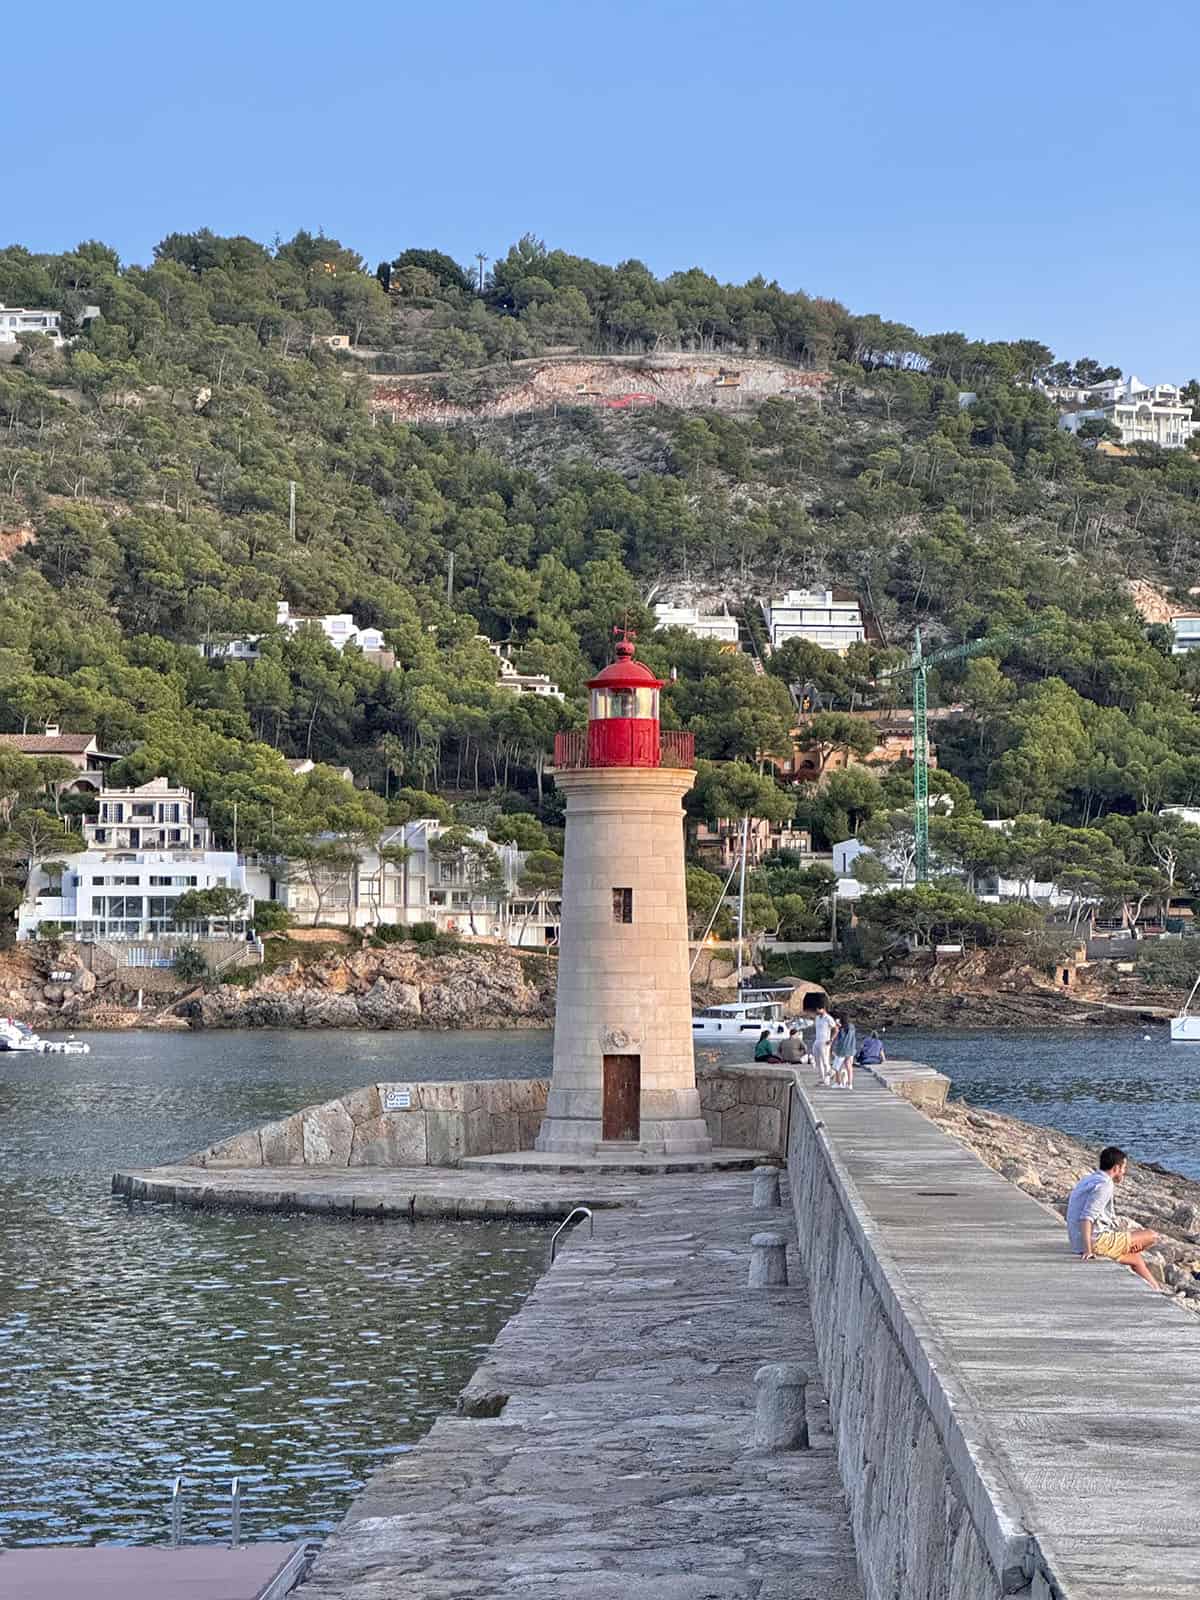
[[610, 704]]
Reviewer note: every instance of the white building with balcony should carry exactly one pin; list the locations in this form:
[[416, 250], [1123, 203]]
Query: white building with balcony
[[16, 320], [422, 887], [1142, 413], [516, 681], [831, 618], [145, 848], [718, 625], [339, 629]]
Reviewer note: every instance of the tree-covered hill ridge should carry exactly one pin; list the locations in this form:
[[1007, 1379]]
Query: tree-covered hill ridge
[[152, 458]]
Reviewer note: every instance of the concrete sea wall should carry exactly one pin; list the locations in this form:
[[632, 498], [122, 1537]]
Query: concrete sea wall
[[909, 1477]]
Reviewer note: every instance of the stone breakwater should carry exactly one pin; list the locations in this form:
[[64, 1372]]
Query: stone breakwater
[[396, 987], [1046, 1164]]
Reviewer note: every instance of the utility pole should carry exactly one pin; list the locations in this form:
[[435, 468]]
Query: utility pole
[[235, 806], [450, 578], [481, 258], [292, 508]]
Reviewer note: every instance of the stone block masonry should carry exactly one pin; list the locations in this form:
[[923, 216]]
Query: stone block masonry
[[606, 1449], [443, 1123]]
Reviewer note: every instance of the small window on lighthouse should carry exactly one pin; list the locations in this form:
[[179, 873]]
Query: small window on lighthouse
[[623, 703], [622, 905]]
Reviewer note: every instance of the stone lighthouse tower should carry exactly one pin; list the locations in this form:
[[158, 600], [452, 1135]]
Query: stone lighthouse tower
[[624, 1073]]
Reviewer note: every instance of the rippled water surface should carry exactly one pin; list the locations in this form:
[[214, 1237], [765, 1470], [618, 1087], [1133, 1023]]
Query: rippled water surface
[[138, 1343], [1126, 1086]]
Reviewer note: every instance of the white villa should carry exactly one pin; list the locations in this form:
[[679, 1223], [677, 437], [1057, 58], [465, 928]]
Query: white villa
[[145, 848], [16, 320], [1185, 633], [339, 628], [1143, 413], [703, 624], [831, 618], [517, 682], [421, 888]]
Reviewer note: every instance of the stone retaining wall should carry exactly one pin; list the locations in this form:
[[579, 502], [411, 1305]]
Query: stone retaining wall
[[744, 1107], [375, 1127]]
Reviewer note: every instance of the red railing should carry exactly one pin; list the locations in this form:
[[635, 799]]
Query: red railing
[[676, 749]]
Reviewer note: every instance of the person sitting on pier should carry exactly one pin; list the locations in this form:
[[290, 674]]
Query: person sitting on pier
[[1092, 1226], [871, 1053], [764, 1050], [792, 1050]]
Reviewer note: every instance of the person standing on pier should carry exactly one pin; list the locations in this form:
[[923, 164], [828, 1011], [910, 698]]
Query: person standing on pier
[[1092, 1225], [822, 1042]]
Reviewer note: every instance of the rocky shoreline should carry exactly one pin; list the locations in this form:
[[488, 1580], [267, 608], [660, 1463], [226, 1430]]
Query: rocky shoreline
[[394, 987], [1046, 1164]]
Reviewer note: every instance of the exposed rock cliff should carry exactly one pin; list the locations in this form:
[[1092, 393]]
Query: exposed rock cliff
[[397, 987]]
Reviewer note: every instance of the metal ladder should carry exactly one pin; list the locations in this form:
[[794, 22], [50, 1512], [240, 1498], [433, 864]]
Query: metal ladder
[[235, 1513]]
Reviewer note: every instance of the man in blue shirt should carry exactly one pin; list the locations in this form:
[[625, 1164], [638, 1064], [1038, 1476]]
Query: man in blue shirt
[[1092, 1226]]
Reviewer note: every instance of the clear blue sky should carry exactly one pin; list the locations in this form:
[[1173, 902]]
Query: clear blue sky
[[1027, 168]]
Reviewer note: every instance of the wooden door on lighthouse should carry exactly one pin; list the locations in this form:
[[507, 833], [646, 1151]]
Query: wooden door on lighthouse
[[622, 1099]]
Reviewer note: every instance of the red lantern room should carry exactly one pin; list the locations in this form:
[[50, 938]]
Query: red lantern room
[[623, 716]]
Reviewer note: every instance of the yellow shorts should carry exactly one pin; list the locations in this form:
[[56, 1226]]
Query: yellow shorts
[[1113, 1245]]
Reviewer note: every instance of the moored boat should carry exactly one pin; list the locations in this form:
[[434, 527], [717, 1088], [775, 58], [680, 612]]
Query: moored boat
[[1185, 1028]]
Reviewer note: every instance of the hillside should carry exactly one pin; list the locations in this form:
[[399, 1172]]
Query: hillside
[[144, 494]]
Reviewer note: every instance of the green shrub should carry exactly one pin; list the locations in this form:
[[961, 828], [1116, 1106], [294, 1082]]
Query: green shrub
[[270, 917], [191, 964]]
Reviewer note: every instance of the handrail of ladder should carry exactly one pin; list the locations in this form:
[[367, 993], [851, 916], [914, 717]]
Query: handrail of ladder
[[579, 1211], [235, 1511], [176, 1513]]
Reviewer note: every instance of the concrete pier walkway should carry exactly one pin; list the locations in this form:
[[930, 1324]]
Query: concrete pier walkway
[[1059, 1400], [620, 1461]]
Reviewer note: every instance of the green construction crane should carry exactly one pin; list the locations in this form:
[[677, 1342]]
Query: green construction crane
[[919, 664]]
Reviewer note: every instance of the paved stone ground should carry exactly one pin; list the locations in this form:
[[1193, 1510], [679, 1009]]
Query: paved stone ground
[[620, 1466], [412, 1192]]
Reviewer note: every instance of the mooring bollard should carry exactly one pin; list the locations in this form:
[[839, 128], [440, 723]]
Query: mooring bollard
[[780, 1418], [768, 1261], [766, 1189]]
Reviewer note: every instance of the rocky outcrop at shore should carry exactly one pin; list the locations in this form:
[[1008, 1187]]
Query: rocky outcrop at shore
[[1047, 1164], [395, 987]]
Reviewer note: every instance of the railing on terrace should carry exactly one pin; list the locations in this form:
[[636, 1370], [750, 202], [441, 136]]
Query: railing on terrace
[[676, 749]]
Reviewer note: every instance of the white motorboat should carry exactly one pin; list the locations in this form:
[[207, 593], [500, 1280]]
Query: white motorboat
[[1185, 1028], [20, 1037], [16, 1035], [741, 1019]]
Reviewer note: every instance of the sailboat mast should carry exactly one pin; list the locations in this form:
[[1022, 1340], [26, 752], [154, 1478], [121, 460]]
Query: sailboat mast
[[742, 895]]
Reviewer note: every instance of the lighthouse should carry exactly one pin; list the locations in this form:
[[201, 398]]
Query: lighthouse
[[624, 1075]]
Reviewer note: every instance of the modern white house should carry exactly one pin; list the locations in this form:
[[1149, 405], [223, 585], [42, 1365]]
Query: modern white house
[[993, 889], [831, 618], [517, 682], [702, 624], [339, 629], [145, 848], [1143, 413], [1185, 631], [16, 320], [419, 888]]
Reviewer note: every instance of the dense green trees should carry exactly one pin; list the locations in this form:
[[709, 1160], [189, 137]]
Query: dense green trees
[[152, 458]]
